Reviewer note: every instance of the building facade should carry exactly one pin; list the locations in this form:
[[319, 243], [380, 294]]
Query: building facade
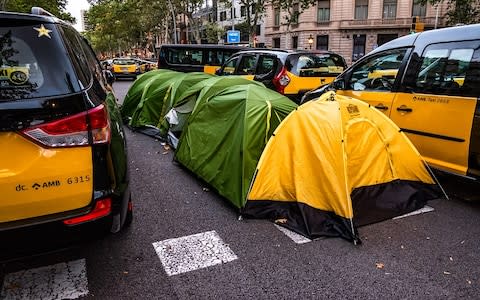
[[229, 18], [350, 28]]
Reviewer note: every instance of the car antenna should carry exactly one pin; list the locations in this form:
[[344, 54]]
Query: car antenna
[[41, 12]]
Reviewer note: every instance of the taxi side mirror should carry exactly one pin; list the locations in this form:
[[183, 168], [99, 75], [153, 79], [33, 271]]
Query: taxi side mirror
[[339, 84]]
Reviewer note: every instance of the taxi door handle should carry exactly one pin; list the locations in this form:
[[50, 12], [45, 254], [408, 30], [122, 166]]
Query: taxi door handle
[[381, 107], [404, 108]]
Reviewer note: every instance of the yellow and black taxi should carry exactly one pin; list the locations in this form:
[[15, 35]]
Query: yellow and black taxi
[[429, 85], [146, 65], [62, 147], [125, 68], [291, 73]]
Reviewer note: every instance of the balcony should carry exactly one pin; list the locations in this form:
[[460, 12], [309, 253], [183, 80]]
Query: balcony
[[388, 23]]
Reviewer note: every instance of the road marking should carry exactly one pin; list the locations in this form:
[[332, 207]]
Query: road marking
[[422, 210], [60, 281], [193, 252], [297, 238]]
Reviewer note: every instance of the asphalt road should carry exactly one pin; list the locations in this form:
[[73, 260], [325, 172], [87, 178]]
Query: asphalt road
[[429, 256]]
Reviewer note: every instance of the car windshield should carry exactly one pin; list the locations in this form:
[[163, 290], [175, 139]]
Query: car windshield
[[313, 65], [32, 63], [123, 62]]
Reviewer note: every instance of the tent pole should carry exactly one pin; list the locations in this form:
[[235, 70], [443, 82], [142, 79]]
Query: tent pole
[[353, 232], [436, 180]]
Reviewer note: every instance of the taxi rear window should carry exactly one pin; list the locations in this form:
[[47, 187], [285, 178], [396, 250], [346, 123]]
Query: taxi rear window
[[32, 63], [315, 65]]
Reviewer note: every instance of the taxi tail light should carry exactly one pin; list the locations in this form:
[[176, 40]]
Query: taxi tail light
[[74, 130], [281, 81], [103, 207]]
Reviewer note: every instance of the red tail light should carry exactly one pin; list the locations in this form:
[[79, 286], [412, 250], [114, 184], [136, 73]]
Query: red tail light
[[74, 130], [102, 208], [281, 81]]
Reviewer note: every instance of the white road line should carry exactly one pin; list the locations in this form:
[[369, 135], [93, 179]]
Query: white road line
[[193, 252], [297, 238], [422, 210], [60, 281]]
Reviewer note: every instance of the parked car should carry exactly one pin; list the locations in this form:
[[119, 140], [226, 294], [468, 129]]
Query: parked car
[[429, 85], [62, 148], [291, 73], [195, 57], [124, 67], [146, 65]]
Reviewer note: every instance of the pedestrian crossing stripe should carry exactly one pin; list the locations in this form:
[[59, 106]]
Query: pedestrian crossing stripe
[[193, 252], [67, 280]]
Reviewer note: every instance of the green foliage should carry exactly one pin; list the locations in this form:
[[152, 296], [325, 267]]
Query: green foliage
[[56, 7], [213, 32], [120, 25], [459, 11], [290, 7]]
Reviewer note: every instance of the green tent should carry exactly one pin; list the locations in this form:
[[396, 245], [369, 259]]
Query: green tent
[[158, 97], [175, 118], [139, 87], [226, 134]]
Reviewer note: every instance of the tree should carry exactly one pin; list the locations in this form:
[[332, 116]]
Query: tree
[[293, 9], [255, 9], [459, 11], [213, 32], [188, 9], [56, 7]]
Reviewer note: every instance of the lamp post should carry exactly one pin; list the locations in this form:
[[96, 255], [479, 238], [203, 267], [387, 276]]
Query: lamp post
[[310, 41]]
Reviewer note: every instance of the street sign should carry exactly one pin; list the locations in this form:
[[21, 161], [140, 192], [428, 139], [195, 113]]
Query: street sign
[[233, 36]]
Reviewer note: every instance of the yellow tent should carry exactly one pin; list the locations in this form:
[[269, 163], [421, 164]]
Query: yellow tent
[[334, 164]]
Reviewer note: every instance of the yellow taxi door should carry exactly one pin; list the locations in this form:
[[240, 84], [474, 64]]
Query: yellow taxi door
[[438, 125], [380, 100], [438, 112]]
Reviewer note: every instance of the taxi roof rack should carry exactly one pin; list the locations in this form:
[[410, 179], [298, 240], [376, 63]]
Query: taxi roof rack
[[41, 12]]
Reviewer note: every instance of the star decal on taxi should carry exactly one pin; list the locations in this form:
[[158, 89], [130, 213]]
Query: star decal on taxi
[[42, 31]]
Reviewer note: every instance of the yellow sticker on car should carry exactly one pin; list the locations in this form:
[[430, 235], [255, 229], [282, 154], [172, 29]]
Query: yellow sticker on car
[[15, 75], [42, 31]]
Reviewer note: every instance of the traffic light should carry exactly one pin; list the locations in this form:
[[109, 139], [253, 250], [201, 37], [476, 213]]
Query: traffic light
[[417, 26]]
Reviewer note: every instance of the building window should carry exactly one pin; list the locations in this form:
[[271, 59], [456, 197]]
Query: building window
[[389, 9], [257, 30], [358, 46], [385, 38], [276, 13], [223, 16], [323, 11], [253, 9], [295, 42], [243, 11], [296, 13], [361, 9], [276, 43], [419, 10], [322, 42]]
